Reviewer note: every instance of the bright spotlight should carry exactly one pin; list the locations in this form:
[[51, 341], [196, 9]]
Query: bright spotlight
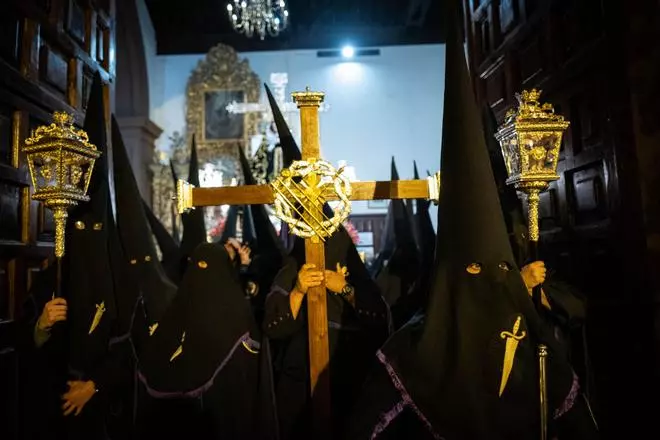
[[347, 52]]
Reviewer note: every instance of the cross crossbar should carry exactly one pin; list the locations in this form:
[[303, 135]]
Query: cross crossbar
[[189, 196]]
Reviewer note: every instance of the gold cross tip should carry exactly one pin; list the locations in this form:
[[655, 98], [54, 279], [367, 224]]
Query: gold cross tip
[[308, 98]]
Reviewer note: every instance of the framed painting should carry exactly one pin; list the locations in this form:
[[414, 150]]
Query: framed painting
[[219, 124], [218, 80]]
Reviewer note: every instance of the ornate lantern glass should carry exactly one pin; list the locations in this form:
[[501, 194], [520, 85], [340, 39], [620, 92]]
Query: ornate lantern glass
[[61, 160], [530, 139]]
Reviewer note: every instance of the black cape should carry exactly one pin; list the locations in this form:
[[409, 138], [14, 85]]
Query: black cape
[[206, 357]]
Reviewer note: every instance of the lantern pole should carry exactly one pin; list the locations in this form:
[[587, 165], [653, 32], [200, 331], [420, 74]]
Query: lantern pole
[[531, 140], [61, 160]]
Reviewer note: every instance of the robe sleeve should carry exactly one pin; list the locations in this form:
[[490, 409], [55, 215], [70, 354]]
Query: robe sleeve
[[568, 304], [370, 307], [279, 322], [114, 374]]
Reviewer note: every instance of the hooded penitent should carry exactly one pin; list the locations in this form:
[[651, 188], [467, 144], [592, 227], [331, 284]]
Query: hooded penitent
[[206, 347], [355, 333], [469, 370], [88, 283], [194, 230], [139, 248], [169, 249]]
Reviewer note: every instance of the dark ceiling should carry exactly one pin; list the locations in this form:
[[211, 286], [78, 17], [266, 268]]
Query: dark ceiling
[[194, 26]]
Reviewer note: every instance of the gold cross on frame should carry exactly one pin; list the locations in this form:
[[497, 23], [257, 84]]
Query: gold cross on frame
[[310, 192]]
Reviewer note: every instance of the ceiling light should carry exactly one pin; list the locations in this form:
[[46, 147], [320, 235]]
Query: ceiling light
[[347, 52]]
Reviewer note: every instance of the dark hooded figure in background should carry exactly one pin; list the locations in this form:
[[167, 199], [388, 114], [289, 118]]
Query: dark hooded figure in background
[[205, 359], [357, 321], [469, 368], [139, 248]]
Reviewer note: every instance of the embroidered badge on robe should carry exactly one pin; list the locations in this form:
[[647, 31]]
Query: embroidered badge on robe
[[512, 339], [100, 310], [179, 350]]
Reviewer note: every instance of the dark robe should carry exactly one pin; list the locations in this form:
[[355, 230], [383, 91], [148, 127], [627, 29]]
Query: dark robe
[[216, 386], [355, 335]]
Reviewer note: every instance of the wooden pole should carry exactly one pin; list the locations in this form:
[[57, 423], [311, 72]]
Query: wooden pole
[[317, 316]]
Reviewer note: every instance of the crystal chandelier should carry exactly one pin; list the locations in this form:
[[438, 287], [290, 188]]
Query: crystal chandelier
[[264, 17]]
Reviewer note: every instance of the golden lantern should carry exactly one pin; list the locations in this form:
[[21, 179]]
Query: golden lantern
[[61, 160], [530, 139]]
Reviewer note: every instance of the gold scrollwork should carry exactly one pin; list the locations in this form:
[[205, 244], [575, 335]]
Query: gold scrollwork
[[299, 192]]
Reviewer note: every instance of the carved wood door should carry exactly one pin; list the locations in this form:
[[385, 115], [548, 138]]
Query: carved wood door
[[591, 222], [49, 50]]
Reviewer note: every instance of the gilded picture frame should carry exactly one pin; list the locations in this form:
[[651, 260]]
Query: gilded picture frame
[[220, 78]]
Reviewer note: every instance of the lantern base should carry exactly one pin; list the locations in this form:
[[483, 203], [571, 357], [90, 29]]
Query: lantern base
[[536, 182]]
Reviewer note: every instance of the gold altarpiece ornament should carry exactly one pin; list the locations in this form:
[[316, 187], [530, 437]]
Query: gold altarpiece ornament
[[220, 78]]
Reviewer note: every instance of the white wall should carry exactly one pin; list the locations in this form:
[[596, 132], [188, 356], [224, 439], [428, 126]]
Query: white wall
[[155, 64], [381, 106]]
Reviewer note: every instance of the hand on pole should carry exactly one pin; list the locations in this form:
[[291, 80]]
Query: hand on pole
[[54, 311], [533, 274], [308, 277], [80, 392], [335, 280]]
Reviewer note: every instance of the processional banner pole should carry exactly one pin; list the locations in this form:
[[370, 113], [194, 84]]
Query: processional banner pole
[[530, 139], [61, 160]]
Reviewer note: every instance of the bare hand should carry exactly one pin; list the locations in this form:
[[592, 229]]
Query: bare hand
[[244, 253], [77, 397], [308, 277], [533, 274], [230, 247], [335, 281], [54, 311]]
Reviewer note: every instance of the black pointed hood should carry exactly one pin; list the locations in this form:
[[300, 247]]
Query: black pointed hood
[[388, 239], [194, 229], [403, 231], [266, 236], [87, 275], [231, 223], [175, 226], [511, 207], [169, 250], [451, 366], [423, 227], [135, 234], [290, 150]]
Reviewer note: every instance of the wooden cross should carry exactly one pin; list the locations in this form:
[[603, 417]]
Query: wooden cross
[[188, 197]]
